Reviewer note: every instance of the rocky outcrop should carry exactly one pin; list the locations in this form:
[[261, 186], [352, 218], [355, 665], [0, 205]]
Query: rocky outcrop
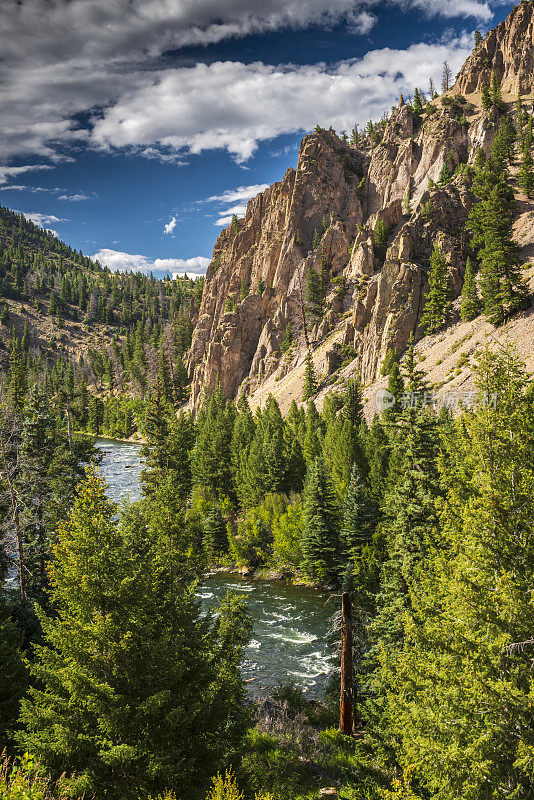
[[321, 218], [255, 279], [507, 51]]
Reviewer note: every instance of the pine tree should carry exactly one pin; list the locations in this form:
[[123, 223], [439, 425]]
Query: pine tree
[[359, 521], [211, 458], [467, 665], [409, 525], [395, 387], [444, 175], [495, 90], [437, 305], [525, 176], [314, 292], [13, 676], [309, 386], [287, 339], [471, 305], [478, 38], [377, 449], [128, 664], [486, 98], [490, 223], [320, 538], [164, 378], [215, 540], [39, 459], [380, 239], [417, 103]]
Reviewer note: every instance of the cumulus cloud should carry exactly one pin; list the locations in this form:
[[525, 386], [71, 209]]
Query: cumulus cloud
[[128, 262], [42, 220], [229, 196], [241, 193], [74, 198], [69, 57], [170, 226], [6, 173], [233, 106]]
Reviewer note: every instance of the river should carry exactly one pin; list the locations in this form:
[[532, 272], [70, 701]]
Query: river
[[290, 624]]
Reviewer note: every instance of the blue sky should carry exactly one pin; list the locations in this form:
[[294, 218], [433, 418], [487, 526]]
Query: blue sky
[[135, 129]]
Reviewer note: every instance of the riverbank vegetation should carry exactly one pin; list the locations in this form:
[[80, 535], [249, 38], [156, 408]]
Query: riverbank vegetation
[[118, 687]]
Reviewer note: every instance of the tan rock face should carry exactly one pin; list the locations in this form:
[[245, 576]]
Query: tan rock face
[[239, 328], [507, 50], [321, 217]]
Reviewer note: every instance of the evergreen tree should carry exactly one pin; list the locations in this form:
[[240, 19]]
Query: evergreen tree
[[490, 223], [380, 238], [377, 449], [320, 538], [409, 528], [211, 459], [525, 176], [495, 89], [215, 540], [486, 98], [13, 676], [359, 521], [309, 386], [444, 175], [314, 292], [417, 103], [437, 305], [287, 339], [129, 667], [463, 686], [164, 378], [395, 387], [471, 305]]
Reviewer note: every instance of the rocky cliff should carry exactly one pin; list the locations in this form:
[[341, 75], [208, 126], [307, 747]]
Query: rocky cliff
[[321, 218]]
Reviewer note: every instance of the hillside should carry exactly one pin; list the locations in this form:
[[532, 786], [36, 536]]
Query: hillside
[[315, 232], [83, 325]]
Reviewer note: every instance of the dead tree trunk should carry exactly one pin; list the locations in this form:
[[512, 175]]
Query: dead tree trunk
[[347, 680]]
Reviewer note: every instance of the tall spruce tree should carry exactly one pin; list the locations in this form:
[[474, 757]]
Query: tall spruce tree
[[359, 521], [490, 224], [462, 692], [437, 304], [215, 540], [137, 694], [525, 176], [409, 528], [309, 386], [320, 535], [13, 675], [471, 305]]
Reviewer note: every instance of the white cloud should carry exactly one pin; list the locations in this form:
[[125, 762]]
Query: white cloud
[[74, 198], [60, 59], [128, 262], [235, 196], [170, 226], [10, 172], [228, 213], [42, 220], [241, 193], [233, 106]]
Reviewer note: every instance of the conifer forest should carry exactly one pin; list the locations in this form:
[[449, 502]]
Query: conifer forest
[[343, 402]]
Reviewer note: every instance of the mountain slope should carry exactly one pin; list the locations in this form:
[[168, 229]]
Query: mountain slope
[[413, 173]]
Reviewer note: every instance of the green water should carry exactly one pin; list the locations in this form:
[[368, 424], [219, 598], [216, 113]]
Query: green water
[[290, 635]]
